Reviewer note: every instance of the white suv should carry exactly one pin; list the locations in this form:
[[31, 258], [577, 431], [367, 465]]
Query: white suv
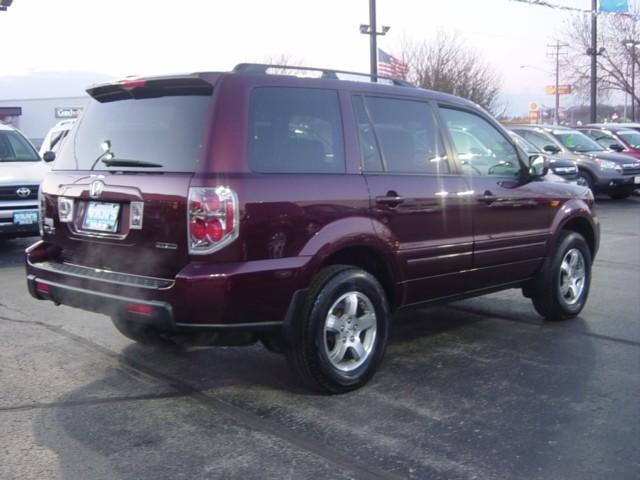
[[55, 137], [21, 171]]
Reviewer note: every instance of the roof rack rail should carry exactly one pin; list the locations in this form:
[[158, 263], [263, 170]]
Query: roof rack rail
[[262, 69]]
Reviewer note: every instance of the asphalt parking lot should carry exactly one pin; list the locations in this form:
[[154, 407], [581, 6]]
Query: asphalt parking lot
[[479, 389]]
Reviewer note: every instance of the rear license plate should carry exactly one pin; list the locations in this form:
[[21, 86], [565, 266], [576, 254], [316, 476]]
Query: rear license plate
[[636, 180], [102, 217], [28, 217]]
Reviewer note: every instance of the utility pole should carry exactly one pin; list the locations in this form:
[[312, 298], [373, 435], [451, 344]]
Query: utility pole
[[373, 33], [593, 113], [631, 45], [556, 52]]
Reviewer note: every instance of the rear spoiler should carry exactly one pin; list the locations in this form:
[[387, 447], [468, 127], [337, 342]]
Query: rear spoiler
[[137, 88]]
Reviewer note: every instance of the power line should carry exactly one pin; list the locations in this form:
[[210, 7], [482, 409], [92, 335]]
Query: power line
[[555, 6]]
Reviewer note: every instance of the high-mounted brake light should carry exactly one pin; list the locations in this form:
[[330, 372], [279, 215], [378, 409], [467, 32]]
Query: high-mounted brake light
[[129, 84], [212, 219]]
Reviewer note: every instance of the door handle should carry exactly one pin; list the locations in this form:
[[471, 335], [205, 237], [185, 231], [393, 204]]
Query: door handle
[[487, 197], [391, 200]]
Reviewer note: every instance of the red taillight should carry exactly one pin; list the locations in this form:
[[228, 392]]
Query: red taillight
[[198, 229], [213, 219], [139, 309], [42, 288], [214, 230]]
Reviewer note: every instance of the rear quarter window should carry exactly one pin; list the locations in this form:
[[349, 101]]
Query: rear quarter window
[[295, 130]]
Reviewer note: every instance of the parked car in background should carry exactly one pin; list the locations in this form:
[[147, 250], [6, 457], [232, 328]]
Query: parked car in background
[[616, 138], [21, 171], [611, 173], [56, 136], [629, 125], [227, 208], [561, 168]]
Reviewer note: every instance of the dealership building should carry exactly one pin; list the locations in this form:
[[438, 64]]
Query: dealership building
[[35, 116]]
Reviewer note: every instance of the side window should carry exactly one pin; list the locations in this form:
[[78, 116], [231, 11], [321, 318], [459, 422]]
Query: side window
[[481, 148], [538, 139], [604, 139], [295, 130], [408, 136], [369, 152]]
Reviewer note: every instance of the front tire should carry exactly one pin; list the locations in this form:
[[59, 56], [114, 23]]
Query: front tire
[[585, 179], [340, 338], [562, 287]]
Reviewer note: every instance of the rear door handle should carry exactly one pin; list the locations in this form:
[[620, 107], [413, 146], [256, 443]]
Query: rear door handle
[[390, 200], [487, 197]]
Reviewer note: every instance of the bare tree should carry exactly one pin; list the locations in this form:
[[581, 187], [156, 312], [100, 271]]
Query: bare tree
[[615, 58], [283, 59], [446, 64]]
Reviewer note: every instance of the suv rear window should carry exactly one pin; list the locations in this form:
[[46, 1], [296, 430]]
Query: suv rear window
[[295, 130], [165, 130]]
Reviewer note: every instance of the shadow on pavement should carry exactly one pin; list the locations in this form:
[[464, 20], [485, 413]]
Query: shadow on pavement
[[459, 395]]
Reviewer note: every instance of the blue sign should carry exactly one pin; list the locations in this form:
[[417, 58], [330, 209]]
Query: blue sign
[[614, 6]]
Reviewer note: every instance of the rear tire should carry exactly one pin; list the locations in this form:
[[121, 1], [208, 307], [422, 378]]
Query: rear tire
[[340, 338], [561, 289], [142, 334]]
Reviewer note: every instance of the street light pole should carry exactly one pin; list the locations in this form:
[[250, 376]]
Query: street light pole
[[373, 33], [373, 42]]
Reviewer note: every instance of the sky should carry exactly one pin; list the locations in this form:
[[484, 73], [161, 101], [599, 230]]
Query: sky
[[72, 42]]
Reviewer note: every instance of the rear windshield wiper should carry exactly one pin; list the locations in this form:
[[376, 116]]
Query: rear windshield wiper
[[118, 162]]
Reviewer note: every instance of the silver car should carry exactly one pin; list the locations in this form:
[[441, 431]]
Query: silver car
[[21, 171]]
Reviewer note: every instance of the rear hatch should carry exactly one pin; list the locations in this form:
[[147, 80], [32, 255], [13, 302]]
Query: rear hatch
[[116, 199]]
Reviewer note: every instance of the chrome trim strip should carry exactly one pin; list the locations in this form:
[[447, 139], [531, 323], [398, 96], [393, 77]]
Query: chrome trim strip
[[162, 283]]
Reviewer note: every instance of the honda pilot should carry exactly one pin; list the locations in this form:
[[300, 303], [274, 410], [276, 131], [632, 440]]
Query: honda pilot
[[300, 210]]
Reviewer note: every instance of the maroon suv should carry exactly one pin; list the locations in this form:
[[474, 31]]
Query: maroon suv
[[226, 208]]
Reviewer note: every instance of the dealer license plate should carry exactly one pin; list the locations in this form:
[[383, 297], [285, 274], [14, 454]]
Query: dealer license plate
[[102, 217], [28, 217]]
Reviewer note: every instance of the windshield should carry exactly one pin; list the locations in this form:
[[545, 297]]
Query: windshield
[[630, 137], [165, 131], [577, 141], [15, 148]]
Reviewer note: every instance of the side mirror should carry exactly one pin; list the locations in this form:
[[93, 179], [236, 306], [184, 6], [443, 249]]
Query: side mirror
[[551, 149], [538, 165], [616, 147], [49, 156]]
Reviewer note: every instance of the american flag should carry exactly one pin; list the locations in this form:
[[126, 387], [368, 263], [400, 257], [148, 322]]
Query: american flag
[[390, 65]]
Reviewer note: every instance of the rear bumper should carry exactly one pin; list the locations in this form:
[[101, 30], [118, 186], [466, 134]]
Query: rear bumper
[[249, 296]]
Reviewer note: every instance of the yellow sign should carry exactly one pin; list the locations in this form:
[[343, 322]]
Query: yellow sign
[[562, 89]]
